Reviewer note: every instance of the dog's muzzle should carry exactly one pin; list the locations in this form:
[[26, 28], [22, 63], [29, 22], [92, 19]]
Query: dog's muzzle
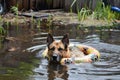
[[56, 57]]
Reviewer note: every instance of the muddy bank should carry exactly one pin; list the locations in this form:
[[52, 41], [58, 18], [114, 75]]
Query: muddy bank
[[54, 18]]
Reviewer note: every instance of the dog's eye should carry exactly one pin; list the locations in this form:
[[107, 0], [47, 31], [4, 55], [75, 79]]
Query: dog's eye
[[53, 48], [59, 49]]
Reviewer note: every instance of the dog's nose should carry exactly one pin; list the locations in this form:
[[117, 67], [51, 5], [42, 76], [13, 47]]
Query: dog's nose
[[55, 56]]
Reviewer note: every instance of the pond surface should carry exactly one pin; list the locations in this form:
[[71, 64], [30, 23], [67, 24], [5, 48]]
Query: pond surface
[[18, 64]]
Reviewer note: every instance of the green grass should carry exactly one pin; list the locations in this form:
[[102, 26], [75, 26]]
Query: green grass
[[2, 30], [103, 12], [14, 9], [2, 33], [83, 14]]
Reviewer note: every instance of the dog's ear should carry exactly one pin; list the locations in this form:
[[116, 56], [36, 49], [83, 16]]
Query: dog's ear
[[50, 39], [65, 40]]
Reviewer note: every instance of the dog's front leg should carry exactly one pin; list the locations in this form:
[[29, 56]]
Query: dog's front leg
[[86, 59]]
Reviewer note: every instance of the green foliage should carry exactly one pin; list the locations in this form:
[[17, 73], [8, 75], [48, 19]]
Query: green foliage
[[103, 12], [2, 30], [117, 15], [73, 3], [83, 14], [14, 9]]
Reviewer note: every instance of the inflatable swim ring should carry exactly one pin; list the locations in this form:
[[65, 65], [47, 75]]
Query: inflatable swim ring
[[91, 55]]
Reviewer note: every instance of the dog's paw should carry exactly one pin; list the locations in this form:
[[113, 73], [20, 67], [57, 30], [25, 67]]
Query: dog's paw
[[66, 61]]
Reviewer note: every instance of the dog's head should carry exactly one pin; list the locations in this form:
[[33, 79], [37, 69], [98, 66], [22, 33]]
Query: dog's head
[[57, 49]]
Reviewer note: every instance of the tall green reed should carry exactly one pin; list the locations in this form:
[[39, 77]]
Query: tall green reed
[[74, 1], [2, 30], [14, 10], [83, 14]]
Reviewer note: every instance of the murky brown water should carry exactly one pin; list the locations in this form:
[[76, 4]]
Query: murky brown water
[[18, 64]]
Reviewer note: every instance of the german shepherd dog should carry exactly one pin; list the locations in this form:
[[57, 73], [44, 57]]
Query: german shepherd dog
[[58, 50], [61, 51]]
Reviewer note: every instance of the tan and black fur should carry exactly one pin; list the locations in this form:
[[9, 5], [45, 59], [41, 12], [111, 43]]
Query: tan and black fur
[[57, 50]]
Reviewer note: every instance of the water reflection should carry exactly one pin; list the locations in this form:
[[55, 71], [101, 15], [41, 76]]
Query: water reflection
[[57, 71]]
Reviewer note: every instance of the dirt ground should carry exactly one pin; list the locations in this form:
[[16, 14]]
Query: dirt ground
[[56, 17]]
